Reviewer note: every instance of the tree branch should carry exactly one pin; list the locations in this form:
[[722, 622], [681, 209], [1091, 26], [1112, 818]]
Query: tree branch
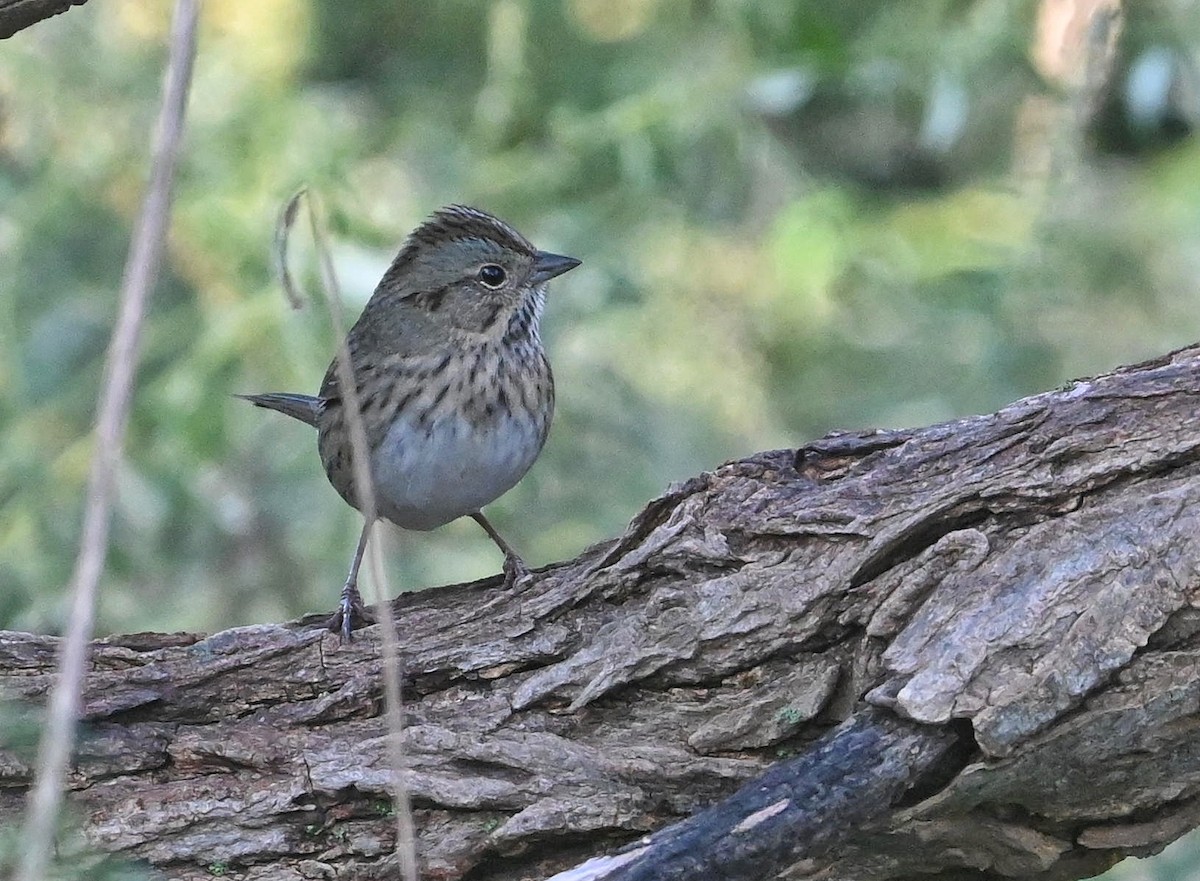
[[16, 15], [798, 809], [975, 647]]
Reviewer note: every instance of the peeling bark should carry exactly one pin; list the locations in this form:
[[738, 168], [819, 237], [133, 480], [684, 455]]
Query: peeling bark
[[969, 649]]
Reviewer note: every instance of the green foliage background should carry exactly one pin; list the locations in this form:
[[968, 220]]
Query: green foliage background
[[751, 279]]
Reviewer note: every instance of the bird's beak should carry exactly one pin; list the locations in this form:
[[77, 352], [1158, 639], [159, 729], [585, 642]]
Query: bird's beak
[[547, 266]]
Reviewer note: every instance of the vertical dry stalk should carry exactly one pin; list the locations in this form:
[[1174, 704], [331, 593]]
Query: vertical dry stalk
[[141, 270], [365, 492]]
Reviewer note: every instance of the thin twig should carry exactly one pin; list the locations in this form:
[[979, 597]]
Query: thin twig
[[365, 492], [141, 271], [283, 235]]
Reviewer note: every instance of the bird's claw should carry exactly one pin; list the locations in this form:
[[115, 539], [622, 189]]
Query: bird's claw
[[351, 614], [515, 571]]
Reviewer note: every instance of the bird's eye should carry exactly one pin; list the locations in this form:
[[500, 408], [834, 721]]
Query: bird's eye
[[492, 275]]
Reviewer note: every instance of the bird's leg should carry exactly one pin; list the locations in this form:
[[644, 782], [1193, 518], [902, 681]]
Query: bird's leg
[[351, 612], [515, 569]]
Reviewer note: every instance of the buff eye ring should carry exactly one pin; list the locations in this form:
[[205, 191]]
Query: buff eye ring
[[492, 276]]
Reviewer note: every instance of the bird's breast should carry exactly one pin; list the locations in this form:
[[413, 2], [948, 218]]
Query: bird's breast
[[463, 443]]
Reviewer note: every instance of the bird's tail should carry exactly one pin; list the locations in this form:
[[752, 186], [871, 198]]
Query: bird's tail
[[302, 407]]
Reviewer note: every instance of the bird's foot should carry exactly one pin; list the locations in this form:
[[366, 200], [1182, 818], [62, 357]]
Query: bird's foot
[[351, 614], [515, 571]]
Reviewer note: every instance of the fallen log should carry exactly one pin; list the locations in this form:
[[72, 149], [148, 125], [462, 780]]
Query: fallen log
[[971, 649]]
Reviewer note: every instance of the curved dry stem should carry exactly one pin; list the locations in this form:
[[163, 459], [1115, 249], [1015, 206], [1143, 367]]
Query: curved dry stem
[[365, 492]]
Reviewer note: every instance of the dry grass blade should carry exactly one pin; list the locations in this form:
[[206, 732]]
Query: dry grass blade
[[365, 492], [141, 270], [283, 234]]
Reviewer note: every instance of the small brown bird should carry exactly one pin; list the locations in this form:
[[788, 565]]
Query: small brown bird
[[454, 387]]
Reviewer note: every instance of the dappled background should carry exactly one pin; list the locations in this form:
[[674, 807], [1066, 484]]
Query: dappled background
[[794, 218]]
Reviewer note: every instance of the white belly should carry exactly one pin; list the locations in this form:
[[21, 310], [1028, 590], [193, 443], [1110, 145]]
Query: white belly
[[429, 476]]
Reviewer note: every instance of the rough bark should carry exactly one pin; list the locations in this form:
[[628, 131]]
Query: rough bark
[[974, 646]]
